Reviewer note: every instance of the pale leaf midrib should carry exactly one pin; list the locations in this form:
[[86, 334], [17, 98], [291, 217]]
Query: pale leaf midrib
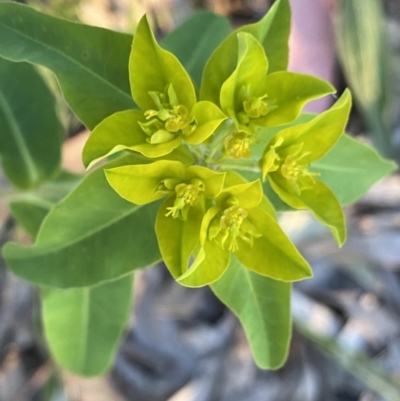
[[71, 60], [88, 234], [85, 326], [328, 167], [19, 139], [254, 293]]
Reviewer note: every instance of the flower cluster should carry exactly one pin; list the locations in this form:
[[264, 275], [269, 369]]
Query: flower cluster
[[210, 212]]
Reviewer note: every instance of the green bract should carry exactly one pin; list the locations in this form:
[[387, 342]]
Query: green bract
[[287, 158], [200, 180]]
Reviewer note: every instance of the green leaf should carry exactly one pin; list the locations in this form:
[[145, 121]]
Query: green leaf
[[30, 213], [29, 208], [194, 41], [364, 54], [30, 132], [54, 189], [263, 308], [152, 69], [83, 325], [91, 63], [272, 32], [350, 168], [102, 238]]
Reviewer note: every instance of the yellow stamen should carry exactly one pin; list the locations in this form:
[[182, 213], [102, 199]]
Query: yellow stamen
[[187, 195], [169, 121], [257, 107], [237, 145]]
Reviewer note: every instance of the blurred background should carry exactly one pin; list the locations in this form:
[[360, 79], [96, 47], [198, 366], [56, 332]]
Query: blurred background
[[184, 345]]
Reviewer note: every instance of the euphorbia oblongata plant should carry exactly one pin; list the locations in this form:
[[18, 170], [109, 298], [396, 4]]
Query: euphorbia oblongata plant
[[198, 152]]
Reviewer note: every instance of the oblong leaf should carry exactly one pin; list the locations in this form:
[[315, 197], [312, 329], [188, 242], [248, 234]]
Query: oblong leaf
[[83, 325], [30, 208], [30, 132], [91, 64], [263, 308], [195, 40], [30, 213], [273, 33], [350, 168], [102, 238]]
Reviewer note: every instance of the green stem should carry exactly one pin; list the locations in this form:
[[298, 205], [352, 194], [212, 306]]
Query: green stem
[[236, 165]]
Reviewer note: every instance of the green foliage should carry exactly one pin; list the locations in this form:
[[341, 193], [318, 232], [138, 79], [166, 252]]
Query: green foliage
[[350, 168], [30, 213], [268, 100], [286, 159], [90, 63], [85, 339], [195, 40], [103, 238], [263, 308], [30, 133], [83, 325], [186, 177]]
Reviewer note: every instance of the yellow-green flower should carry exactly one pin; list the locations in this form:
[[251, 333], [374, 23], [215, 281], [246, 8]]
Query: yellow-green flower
[[186, 190], [169, 113], [288, 158], [242, 222], [252, 98]]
